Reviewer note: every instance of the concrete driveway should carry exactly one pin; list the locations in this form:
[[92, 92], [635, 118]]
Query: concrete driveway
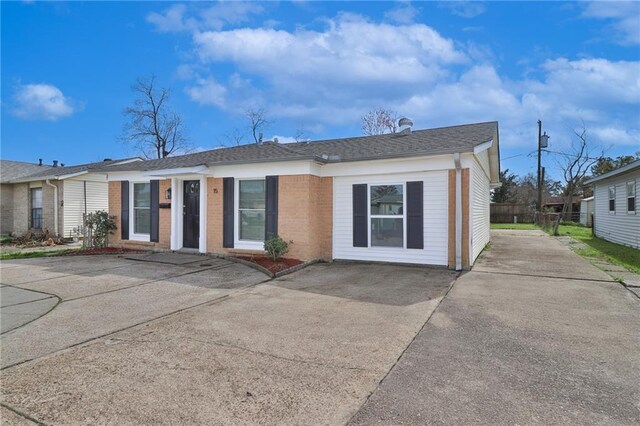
[[207, 341], [534, 334]]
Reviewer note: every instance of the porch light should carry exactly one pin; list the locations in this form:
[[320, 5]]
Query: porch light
[[167, 194]]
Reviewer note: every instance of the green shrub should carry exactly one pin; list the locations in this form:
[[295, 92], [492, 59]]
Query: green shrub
[[102, 225], [276, 247]]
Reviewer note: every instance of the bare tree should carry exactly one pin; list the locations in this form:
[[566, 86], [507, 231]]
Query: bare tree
[[234, 137], [575, 164], [301, 135], [379, 121], [257, 122], [153, 128]]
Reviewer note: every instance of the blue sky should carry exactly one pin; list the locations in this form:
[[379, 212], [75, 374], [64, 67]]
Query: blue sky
[[67, 70]]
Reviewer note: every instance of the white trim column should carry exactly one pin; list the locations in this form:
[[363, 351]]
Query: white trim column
[[176, 214], [202, 246]]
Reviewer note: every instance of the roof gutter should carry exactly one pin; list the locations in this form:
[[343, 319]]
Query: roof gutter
[[55, 206], [456, 160]]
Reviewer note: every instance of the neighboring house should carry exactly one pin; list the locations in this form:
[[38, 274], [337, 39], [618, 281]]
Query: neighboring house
[[417, 197], [586, 210], [616, 216], [556, 204], [34, 195]]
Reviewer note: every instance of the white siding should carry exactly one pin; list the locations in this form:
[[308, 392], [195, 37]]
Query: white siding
[[483, 159], [74, 200], [435, 220], [479, 215], [619, 227]]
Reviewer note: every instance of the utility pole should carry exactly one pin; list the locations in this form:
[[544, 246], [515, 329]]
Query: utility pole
[[539, 154], [543, 142]]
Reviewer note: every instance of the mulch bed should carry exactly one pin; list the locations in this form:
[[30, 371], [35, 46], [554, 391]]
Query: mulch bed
[[101, 250], [271, 265]]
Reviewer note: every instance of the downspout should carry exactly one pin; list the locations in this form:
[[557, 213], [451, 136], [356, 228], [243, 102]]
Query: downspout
[[55, 206], [456, 160]]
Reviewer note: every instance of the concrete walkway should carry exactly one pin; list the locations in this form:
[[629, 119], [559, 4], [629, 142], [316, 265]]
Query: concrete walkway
[[20, 306], [534, 334]]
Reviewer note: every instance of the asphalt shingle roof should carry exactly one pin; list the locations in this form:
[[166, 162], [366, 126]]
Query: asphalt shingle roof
[[10, 170], [14, 171], [441, 140]]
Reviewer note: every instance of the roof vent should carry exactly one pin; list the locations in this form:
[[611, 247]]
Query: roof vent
[[260, 136], [404, 126], [55, 163], [39, 161], [107, 159], [275, 140], [61, 164]]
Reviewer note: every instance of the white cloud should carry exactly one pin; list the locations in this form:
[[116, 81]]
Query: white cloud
[[405, 13], [617, 135], [42, 101], [179, 17], [284, 139], [331, 76], [351, 59], [465, 9], [207, 91], [172, 19], [625, 17]]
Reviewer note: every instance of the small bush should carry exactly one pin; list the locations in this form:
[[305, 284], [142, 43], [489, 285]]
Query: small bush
[[102, 225], [37, 238], [276, 247]]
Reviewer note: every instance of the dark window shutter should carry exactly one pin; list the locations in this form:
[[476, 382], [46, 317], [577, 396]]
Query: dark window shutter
[[154, 186], [271, 210], [360, 229], [227, 212], [124, 210], [415, 209]]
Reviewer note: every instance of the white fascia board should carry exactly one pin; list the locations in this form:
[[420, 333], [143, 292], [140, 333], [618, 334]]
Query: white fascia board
[[389, 166], [276, 168], [50, 177], [72, 175], [177, 171], [131, 160], [482, 147], [136, 176]]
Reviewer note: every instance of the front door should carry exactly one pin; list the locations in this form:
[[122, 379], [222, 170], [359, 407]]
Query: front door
[[191, 214]]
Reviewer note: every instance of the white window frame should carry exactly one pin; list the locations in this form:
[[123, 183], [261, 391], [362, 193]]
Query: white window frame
[[31, 207], [132, 217], [634, 195], [387, 216], [609, 199], [238, 243]]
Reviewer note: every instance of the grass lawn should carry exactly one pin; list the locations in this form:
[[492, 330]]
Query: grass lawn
[[526, 226], [33, 253], [598, 248]]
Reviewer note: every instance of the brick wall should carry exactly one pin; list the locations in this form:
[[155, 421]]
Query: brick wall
[[305, 216], [21, 208], [214, 216], [164, 219], [6, 209]]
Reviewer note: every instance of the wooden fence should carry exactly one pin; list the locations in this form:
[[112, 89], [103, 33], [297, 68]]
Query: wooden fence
[[510, 213]]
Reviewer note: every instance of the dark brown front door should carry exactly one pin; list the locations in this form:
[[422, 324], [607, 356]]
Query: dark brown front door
[[191, 214]]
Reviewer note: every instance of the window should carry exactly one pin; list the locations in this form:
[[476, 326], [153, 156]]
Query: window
[[36, 208], [251, 206], [612, 199], [141, 208], [631, 197], [387, 215]]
